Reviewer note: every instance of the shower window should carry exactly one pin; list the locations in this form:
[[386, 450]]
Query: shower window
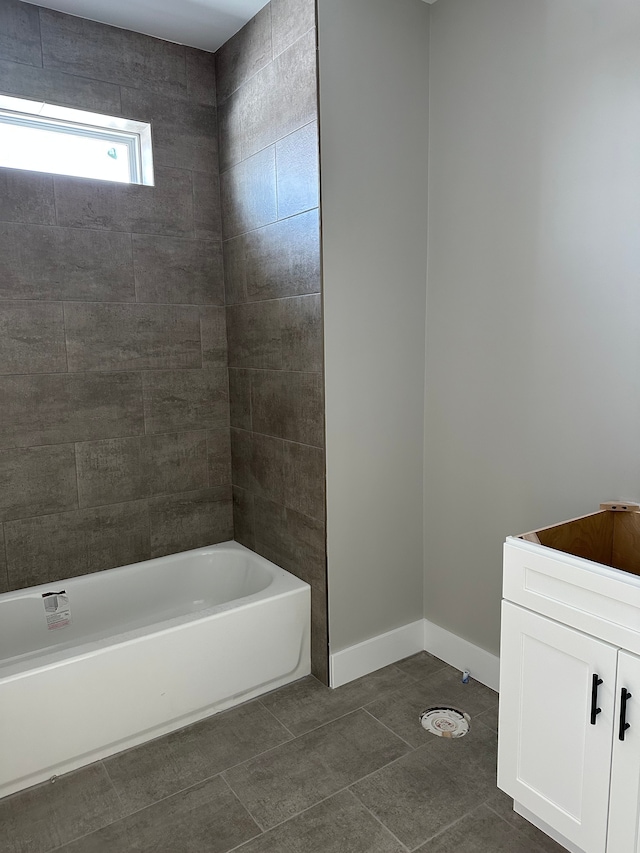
[[41, 137]]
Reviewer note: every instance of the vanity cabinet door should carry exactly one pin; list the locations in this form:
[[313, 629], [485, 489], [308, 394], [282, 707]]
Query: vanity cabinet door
[[624, 806], [554, 753]]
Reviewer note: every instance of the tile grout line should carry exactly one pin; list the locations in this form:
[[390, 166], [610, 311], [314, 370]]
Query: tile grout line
[[271, 714], [293, 738], [515, 828], [389, 729], [376, 818], [222, 776], [242, 805], [446, 828], [99, 828]]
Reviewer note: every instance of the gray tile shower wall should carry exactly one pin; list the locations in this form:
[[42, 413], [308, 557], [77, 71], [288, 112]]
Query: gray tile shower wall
[[268, 149], [114, 408]]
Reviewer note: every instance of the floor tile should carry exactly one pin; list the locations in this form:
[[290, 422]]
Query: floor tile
[[295, 776], [422, 665], [49, 815], [207, 817], [155, 770], [307, 704], [338, 825], [482, 831], [502, 805], [488, 718], [428, 789], [401, 710]]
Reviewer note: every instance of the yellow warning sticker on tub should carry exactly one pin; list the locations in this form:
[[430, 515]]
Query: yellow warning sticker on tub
[[57, 609]]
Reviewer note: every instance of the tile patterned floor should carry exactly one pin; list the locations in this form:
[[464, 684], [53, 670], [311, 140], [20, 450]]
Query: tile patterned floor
[[304, 769]]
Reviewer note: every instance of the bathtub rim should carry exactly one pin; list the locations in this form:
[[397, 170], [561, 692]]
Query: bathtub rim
[[283, 584]]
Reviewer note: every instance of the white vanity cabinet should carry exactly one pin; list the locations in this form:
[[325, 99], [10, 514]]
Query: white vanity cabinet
[[569, 743]]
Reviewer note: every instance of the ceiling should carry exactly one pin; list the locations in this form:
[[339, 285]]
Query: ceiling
[[198, 23], [206, 24]]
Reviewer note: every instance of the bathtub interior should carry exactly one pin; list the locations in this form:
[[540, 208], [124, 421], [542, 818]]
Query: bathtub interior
[[116, 601]]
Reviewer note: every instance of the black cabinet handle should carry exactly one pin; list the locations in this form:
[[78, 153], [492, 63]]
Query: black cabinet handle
[[624, 725], [595, 683]]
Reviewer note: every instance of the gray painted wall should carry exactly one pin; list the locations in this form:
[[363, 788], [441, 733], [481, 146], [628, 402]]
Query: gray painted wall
[[268, 106], [373, 57], [114, 414], [533, 320]]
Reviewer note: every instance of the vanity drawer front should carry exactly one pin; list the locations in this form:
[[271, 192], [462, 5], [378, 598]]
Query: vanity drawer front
[[592, 598]]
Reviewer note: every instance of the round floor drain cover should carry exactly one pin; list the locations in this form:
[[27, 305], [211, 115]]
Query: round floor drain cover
[[445, 722]]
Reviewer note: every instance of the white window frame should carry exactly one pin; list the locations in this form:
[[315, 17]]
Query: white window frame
[[40, 115]]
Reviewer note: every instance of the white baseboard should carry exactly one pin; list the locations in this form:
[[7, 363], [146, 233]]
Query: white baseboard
[[375, 653], [462, 654], [366, 657]]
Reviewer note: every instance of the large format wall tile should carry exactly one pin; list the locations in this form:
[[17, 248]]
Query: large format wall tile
[[54, 409], [37, 481], [39, 262], [243, 517], [282, 259], [109, 471], [244, 54], [207, 222], [301, 333], [292, 540], [123, 469], [32, 338], [254, 332], [201, 76], [190, 520], [166, 208], [290, 19], [297, 86], [4, 581], [51, 547], [184, 134], [288, 405], [240, 398], [268, 149], [219, 457], [303, 472], [248, 194], [260, 105], [258, 464], [56, 87], [213, 334], [90, 49], [27, 197], [172, 269], [230, 132], [132, 337], [176, 462], [111, 309], [276, 334], [185, 399], [297, 171], [20, 33]]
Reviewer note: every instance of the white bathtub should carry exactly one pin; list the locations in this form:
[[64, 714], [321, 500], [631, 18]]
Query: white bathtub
[[150, 648]]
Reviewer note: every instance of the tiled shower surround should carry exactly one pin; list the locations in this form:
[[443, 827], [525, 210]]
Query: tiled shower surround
[[114, 382], [268, 114], [114, 416]]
